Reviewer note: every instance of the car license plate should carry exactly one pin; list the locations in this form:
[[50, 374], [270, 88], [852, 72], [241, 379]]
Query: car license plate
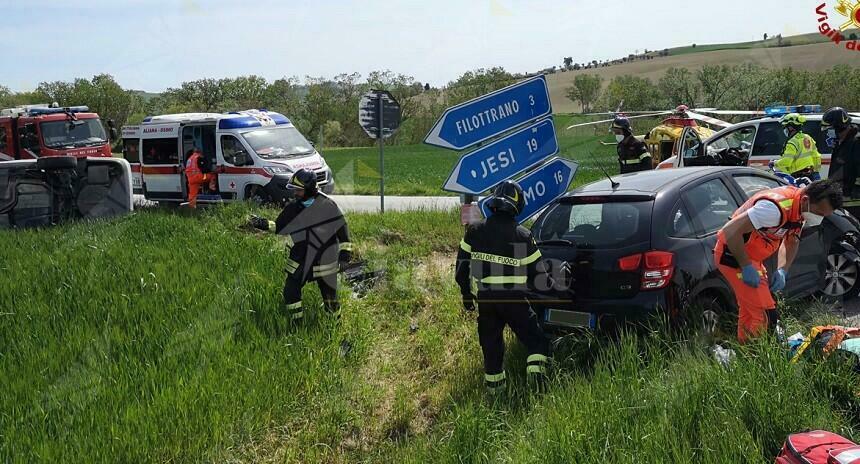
[[570, 318]]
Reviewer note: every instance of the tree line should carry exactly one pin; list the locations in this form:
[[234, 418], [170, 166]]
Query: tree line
[[325, 110], [741, 87]]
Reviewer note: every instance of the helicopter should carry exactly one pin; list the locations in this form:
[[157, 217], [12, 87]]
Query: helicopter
[[662, 139]]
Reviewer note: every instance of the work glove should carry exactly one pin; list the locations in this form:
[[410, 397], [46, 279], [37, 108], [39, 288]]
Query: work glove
[[468, 304], [258, 223], [750, 276], [778, 282]]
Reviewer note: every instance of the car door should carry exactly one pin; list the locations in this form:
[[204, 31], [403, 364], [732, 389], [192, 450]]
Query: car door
[[161, 162], [710, 203], [809, 264], [732, 148], [689, 148]]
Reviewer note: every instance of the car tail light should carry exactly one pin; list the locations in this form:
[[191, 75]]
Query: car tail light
[[658, 271], [657, 268], [630, 263]]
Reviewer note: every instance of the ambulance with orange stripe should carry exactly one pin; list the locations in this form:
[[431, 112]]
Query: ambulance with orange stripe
[[254, 153], [753, 143]]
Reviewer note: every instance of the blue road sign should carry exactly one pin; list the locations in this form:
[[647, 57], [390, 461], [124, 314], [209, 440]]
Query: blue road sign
[[542, 186], [487, 166], [485, 117]]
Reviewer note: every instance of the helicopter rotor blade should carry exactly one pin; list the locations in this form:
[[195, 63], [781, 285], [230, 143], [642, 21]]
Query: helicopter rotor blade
[[612, 120], [708, 119], [731, 112]]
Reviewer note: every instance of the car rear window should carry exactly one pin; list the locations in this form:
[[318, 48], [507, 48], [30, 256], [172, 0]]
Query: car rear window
[[597, 224]]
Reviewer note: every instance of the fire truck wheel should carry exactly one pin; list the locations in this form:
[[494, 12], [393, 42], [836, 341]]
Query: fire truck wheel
[[56, 163]]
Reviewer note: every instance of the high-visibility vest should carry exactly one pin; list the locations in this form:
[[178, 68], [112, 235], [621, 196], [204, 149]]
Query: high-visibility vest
[[763, 243], [800, 153], [192, 166]]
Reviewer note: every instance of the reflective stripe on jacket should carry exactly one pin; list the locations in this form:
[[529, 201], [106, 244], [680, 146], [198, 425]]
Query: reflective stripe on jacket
[[800, 153]]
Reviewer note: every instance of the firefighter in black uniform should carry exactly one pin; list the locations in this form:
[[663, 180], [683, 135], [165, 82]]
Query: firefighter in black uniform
[[317, 241], [842, 136], [633, 155], [497, 264]]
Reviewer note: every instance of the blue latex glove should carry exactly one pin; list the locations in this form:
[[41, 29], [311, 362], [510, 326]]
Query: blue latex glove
[[750, 276], [778, 282]]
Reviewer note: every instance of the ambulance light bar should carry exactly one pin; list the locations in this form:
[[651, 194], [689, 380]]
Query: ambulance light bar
[[783, 110]]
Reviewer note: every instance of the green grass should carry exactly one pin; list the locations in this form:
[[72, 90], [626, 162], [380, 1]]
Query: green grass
[[155, 337], [422, 169]]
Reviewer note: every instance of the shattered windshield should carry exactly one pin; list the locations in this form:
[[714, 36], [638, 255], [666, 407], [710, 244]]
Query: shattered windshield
[[80, 133], [281, 142]]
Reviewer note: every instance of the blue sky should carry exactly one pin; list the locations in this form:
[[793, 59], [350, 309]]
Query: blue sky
[[154, 44]]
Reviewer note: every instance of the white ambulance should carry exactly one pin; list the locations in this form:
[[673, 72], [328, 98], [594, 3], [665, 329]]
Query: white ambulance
[[254, 154]]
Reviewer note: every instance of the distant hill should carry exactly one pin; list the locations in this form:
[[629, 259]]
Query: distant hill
[[147, 96], [807, 51]]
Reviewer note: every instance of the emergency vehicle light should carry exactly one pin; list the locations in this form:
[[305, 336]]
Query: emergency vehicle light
[[72, 109], [782, 110]]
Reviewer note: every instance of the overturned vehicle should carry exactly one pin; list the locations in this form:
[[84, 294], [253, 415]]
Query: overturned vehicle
[[53, 190]]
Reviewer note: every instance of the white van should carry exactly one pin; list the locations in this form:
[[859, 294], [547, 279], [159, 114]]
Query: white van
[[254, 153]]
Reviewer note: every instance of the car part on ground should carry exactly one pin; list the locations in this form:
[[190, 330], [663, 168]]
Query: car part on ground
[[53, 190]]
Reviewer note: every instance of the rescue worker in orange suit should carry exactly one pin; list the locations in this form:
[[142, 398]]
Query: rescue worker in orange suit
[[769, 222], [196, 177], [497, 265], [317, 242], [633, 155]]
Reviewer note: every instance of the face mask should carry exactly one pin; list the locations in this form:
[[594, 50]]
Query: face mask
[[308, 202], [831, 133], [619, 138], [787, 133], [812, 220]]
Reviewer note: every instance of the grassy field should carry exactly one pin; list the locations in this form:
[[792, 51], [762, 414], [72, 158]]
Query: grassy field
[[422, 169], [156, 338], [810, 56]]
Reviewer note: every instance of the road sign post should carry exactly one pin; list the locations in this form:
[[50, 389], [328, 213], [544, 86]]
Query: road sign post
[[542, 186], [379, 116], [381, 139]]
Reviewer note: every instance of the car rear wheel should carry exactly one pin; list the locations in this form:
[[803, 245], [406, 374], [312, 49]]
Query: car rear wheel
[[715, 318], [841, 275]]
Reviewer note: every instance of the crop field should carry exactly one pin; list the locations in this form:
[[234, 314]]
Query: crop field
[[422, 169], [157, 338]]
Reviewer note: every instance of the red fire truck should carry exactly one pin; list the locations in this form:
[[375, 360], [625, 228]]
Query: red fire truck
[[35, 131]]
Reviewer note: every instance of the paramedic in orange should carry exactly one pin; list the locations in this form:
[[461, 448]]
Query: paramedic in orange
[[196, 177], [769, 222]]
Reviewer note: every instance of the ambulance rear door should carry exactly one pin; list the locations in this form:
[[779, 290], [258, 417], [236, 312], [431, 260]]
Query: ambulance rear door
[[161, 164], [131, 153]]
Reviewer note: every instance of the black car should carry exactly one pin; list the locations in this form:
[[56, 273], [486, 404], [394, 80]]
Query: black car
[[643, 242]]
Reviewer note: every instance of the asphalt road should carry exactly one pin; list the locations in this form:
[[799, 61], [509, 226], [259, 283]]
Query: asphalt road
[[370, 203]]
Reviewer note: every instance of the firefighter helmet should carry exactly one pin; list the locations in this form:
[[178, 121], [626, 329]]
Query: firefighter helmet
[[303, 179], [622, 123], [836, 118], [792, 119], [508, 197]]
